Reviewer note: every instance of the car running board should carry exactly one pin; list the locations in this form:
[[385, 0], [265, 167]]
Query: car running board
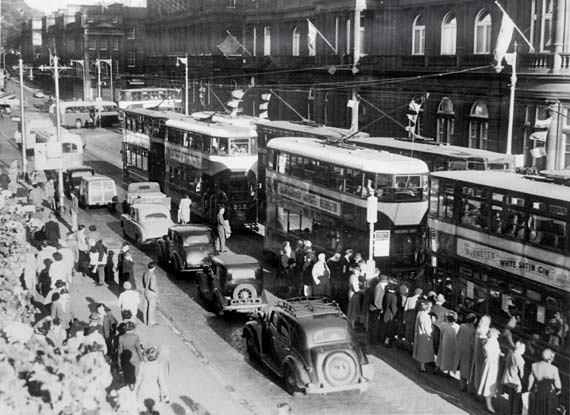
[[270, 363]]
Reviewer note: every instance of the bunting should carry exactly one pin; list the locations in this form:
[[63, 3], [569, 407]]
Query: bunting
[[414, 109]]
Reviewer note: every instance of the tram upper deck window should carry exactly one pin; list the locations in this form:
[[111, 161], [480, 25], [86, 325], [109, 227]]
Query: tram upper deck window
[[353, 181], [219, 146], [295, 167], [408, 188], [446, 201], [476, 165], [197, 142], [547, 232], [239, 146]]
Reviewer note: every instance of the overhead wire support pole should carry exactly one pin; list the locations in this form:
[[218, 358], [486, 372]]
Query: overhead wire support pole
[[23, 119], [184, 61]]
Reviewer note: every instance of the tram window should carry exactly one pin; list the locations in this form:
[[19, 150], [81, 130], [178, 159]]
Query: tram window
[[538, 205], [296, 169], [440, 165], [309, 166], [446, 203], [471, 212], [337, 176], [197, 142], [283, 163], [515, 226], [497, 221], [369, 184], [239, 146], [547, 232], [470, 296], [322, 174], [270, 159], [384, 186], [353, 182], [558, 210], [223, 146], [498, 197]]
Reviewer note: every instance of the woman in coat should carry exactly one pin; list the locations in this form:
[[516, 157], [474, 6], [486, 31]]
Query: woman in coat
[[130, 354], [423, 343], [151, 387], [464, 355], [544, 386], [478, 357], [490, 370], [448, 343]]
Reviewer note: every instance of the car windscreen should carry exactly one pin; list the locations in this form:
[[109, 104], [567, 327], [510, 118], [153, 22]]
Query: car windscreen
[[330, 335], [243, 274], [198, 238], [155, 217]]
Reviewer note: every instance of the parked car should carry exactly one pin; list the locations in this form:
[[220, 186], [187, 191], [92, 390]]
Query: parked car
[[308, 342], [72, 179], [187, 248], [146, 223], [38, 93], [97, 191], [232, 283], [146, 192]]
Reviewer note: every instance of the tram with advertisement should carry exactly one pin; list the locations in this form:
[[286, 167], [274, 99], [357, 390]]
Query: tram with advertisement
[[441, 156], [267, 129], [500, 245], [215, 164], [161, 98], [317, 190]]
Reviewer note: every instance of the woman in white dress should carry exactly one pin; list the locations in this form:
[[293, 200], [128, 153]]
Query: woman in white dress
[[490, 372]]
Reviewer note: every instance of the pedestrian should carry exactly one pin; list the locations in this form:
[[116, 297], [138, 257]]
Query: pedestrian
[[120, 257], [389, 312], [58, 310], [49, 192], [184, 210], [68, 259], [402, 294], [464, 355], [30, 276], [150, 386], [98, 261], [448, 343], [307, 276], [435, 335], [92, 335], [221, 229], [82, 249], [109, 323], [439, 310], [335, 268], [321, 277], [150, 294], [544, 386], [410, 313], [4, 181], [58, 270], [375, 305], [490, 371], [36, 196], [356, 293], [478, 357], [57, 334], [423, 344], [74, 211], [51, 231], [129, 300], [130, 355], [513, 375]]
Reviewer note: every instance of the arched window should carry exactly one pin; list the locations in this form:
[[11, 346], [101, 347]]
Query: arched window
[[483, 32], [478, 125], [445, 121], [418, 36], [348, 37], [295, 41], [448, 34]]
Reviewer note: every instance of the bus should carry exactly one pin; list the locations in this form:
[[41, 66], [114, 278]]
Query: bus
[[267, 129], [500, 246], [78, 114], [441, 156], [160, 98], [46, 141], [215, 164], [317, 190], [143, 144]]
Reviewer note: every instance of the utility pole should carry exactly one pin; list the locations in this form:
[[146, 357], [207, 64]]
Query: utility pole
[[23, 119], [184, 61], [354, 101]]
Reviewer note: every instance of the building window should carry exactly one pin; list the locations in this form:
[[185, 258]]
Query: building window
[[348, 36], [131, 33], [448, 34], [131, 60], [254, 41], [478, 126], [483, 32], [566, 136], [418, 36], [336, 29], [232, 4], [115, 43], [296, 41], [546, 29], [362, 35], [266, 41], [445, 121], [102, 44], [92, 44]]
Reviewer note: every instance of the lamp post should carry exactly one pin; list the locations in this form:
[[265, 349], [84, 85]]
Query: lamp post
[[371, 218], [110, 63], [23, 119], [184, 61], [55, 68]]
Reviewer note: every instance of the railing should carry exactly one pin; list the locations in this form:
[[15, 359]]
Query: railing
[[565, 61], [537, 60]]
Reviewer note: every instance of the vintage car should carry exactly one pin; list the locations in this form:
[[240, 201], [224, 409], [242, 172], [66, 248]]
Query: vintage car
[[146, 223], [97, 191], [187, 248], [232, 283], [146, 192], [72, 179], [308, 342]]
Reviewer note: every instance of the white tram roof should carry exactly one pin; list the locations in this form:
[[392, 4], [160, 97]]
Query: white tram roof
[[210, 128], [309, 128], [511, 182], [435, 148], [365, 159], [162, 114]]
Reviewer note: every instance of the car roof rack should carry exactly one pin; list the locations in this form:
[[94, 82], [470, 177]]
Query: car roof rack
[[310, 306]]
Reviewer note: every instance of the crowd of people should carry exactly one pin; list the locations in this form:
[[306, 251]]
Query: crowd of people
[[54, 262], [486, 361]]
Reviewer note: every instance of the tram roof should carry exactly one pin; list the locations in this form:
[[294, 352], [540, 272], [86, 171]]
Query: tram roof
[[365, 159], [435, 148], [308, 128], [155, 113], [210, 128], [511, 182]]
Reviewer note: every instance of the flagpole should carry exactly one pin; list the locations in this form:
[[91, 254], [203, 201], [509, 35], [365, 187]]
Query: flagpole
[[513, 64], [516, 27]]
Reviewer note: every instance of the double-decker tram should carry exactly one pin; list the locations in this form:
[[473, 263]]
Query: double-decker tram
[[441, 156], [215, 164], [267, 129], [317, 190], [162, 98], [500, 246]]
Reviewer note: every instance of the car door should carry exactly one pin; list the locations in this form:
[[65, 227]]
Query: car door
[[129, 225], [281, 340]]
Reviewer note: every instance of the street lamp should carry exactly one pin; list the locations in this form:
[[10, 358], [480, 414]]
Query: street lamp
[[184, 61], [371, 218], [55, 68], [23, 119], [98, 63]]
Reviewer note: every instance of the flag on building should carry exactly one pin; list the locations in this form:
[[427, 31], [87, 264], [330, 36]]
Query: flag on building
[[312, 33], [541, 129], [503, 39], [230, 45], [264, 106], [414, 109]]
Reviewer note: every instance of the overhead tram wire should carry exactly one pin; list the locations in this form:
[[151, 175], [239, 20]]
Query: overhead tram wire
[[384, 115]]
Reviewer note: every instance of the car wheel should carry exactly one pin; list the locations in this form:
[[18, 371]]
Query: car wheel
[[339, 369], [244, 292], [290, 380]]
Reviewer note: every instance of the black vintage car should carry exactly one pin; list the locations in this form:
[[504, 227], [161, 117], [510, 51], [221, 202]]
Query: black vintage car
[[232, 283], [187, 248]]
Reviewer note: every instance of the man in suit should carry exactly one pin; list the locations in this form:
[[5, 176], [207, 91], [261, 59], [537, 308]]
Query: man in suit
[[130, 355], [221, 229], [109, 323], [51, 230], [150, 294], [389, 313]]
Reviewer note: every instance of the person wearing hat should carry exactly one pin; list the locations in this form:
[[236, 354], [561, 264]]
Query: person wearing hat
[[439, 310], [129, 299], [59, 311], [129, 351], [68, 260], [410, 313], [92, 335], [125, 264], [448, 343], [151, 386], [109, 325], [51, 231], [58, 269], [150, 294]]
